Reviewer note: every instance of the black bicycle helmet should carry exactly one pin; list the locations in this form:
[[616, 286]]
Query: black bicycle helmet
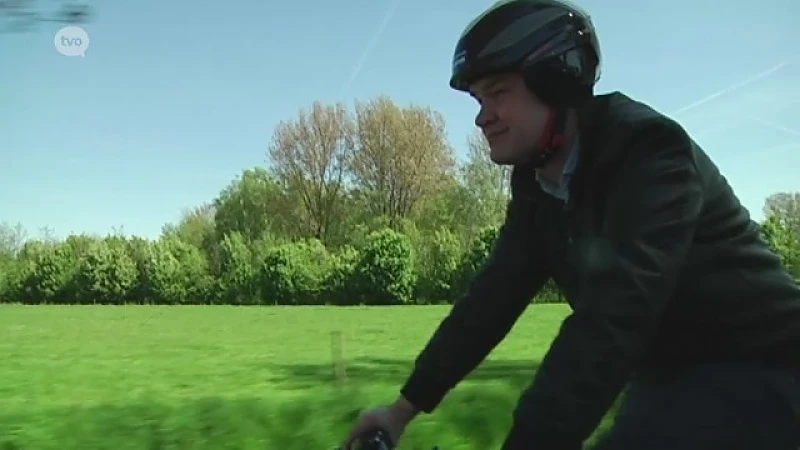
[[551, 43]]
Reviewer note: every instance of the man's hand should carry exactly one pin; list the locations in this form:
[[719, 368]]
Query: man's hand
[[392, 418]]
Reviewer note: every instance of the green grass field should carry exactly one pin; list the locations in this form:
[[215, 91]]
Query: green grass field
[[139, 377]]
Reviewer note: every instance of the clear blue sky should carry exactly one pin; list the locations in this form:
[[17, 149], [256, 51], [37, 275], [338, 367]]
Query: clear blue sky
[[174, 99]]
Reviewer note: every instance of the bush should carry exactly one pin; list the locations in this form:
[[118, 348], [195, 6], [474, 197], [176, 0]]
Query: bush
[[237, 282], [438, 265], [176, 273], [11, 277], [340, 285], [294, 273], [47, 274], [106, 273], [138, 249], [384, 274], [474, 258]]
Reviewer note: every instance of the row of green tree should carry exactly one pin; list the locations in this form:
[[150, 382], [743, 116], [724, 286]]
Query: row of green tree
[[386, 269], [369, 206]]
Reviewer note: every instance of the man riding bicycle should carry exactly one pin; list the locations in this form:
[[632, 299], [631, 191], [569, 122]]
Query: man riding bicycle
[[674, 295]]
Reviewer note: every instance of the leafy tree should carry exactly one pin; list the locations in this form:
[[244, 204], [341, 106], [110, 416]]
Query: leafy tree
[[487, 185], [400, 158], [309, 158], [783, 242], [785, 208], [254, 205]]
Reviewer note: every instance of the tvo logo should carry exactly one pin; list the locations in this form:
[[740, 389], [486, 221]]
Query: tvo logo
[[72, 41]]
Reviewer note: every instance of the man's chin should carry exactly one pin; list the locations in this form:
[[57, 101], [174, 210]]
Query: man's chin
[[499, 157]]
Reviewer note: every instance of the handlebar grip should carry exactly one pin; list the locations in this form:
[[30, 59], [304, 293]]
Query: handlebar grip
[[375, 439]]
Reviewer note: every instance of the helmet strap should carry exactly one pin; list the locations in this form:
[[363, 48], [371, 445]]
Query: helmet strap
[[553, 137]]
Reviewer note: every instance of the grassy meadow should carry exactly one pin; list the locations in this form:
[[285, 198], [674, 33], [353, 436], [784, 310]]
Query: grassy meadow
[[224, 377]]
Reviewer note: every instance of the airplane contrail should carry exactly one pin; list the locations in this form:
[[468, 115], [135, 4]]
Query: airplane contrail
[[785, 147], [732, 87], [370, 46], [777, 126]]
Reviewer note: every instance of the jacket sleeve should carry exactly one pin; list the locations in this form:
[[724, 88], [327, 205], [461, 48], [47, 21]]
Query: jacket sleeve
[[627, 277], [479, 320]]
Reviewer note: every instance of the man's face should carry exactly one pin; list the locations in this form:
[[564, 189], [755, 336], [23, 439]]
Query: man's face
[[511, 116]]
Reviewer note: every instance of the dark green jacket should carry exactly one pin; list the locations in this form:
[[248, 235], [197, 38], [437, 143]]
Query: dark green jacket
[[661, 264]]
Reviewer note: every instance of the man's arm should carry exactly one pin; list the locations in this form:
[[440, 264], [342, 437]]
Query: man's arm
[[481, 319], [628, 276]]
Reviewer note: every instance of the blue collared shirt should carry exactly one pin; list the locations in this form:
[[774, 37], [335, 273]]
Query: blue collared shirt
[[560, 190]]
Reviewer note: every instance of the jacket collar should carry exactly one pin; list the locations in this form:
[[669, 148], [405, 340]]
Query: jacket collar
[[592, 156]]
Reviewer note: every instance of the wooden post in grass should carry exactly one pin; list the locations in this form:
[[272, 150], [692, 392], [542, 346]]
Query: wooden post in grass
[[337, 356]]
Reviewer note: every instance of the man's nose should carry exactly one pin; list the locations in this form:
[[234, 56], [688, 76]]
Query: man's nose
[[484, 117]]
